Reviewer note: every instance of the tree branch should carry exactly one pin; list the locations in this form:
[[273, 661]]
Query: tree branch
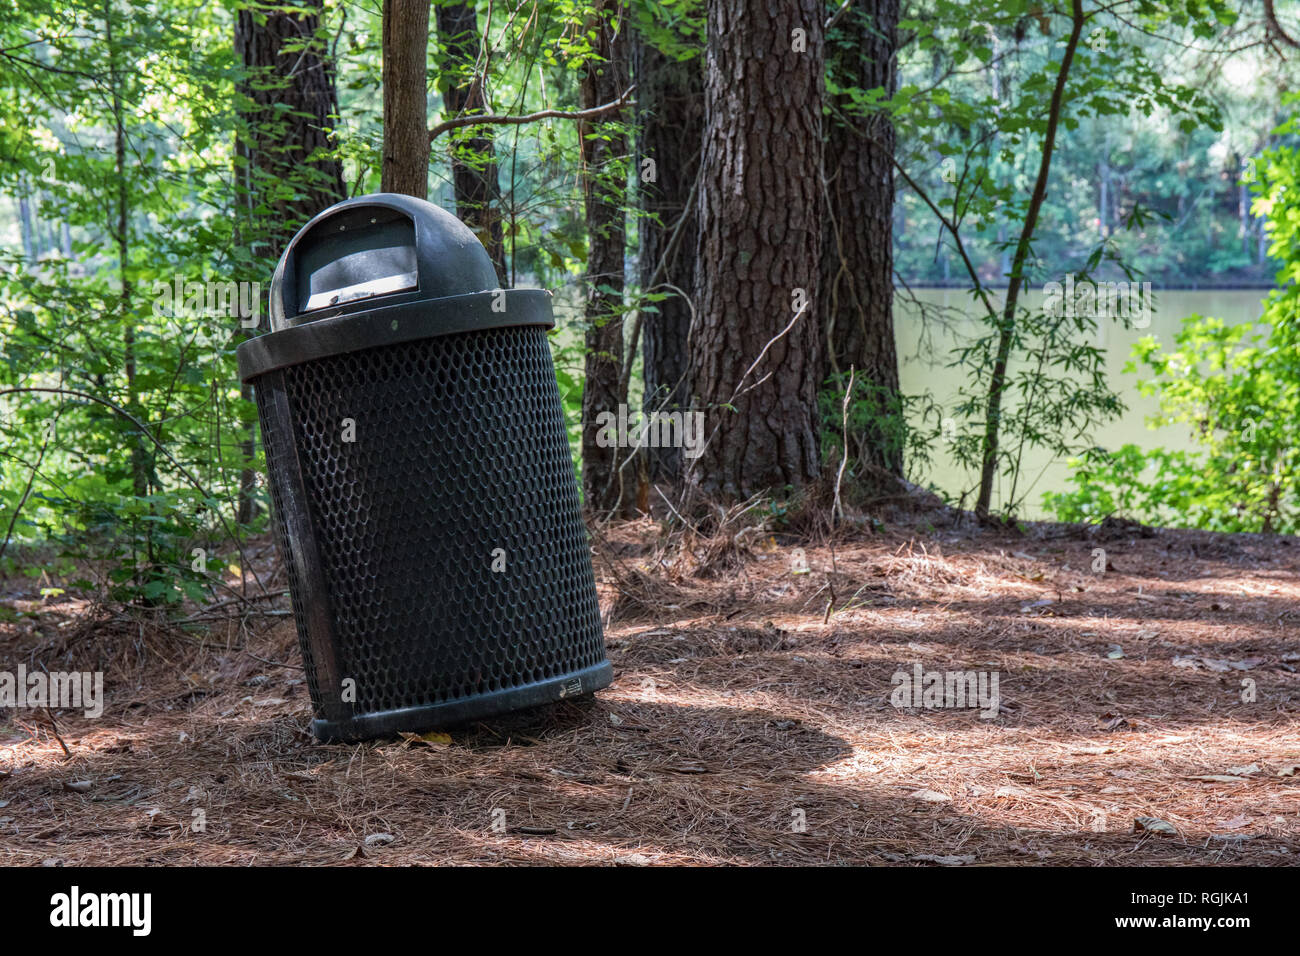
[[1270, 17], [835, 17], [950, 225], [501, 119]]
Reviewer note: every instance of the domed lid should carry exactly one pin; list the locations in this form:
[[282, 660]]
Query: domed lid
[[374, 252]]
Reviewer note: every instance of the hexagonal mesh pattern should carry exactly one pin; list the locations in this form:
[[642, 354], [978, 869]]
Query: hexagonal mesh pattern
[[277, 438], [459, 450]]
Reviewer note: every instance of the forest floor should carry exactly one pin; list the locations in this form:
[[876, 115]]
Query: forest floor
[[745, 725]]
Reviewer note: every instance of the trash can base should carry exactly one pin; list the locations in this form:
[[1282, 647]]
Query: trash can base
[[434, 716]]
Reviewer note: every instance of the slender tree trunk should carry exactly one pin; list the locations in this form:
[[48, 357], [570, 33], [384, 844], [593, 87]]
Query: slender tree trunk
[[755, 349], [1105, 204], [473, 155], [25, 229], [120, 231], [857, 297], [122, 239], [1104, 199], [604, 487], [1015, 281], [670, 104], [406, 84], [1243, 215], [277, 146]]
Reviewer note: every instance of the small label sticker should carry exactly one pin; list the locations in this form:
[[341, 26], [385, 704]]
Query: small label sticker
[[571, 687]]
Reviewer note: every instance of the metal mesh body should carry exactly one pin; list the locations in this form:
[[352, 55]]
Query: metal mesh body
[[459, 460]]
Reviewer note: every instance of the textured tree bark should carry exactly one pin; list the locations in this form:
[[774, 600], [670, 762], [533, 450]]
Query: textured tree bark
[[759, 250], [473, 158], [278, 147], [406, 85], [670, 104], [857, 295], [289, 144], [604, 194]]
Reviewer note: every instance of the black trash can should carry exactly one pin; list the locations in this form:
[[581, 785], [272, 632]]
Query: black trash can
[[424, 498]]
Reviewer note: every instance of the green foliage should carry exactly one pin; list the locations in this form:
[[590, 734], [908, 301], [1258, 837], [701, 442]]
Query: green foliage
[[1236, 393], [1152, 112], [1235, 390], [1056, 393], [677, 27], [90, 345], [972, 151], [878, 424]]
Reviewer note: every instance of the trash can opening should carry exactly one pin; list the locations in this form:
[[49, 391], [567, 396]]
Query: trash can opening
[[372, 252], [356, 255]]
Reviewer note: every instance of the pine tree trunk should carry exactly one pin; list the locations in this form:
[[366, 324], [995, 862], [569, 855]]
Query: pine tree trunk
[[294, 103], [473, 152], [670, 103], [406, 84], [280, 146], [605, 488], [857, 263], [759, 251]]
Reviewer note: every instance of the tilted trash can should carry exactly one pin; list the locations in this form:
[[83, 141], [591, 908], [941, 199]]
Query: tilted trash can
[[424, 497]]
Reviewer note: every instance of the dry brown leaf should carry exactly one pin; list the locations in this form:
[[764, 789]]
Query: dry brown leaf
[[433, 738]]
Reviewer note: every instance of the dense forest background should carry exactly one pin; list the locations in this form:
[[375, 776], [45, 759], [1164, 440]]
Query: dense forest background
[[728, 198]]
